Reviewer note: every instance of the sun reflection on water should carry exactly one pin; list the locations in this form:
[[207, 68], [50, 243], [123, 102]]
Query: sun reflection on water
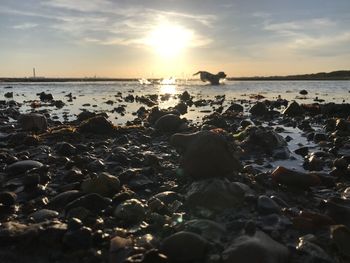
[[167, 89]]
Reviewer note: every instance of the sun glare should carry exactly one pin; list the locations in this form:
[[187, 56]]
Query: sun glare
[[169, 40]]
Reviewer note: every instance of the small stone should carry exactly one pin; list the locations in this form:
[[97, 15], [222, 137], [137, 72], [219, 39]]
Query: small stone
[[8, 198], [340, 235], [43, 214], [185, 247], [22, 166], [65, 149], [303, 92], [103, 184], [131, 210], [78, 239], [235, 107], [92, 202], [288, 177], [266, 205]]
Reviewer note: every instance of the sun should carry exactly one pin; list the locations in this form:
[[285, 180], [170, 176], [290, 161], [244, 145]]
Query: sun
[[169, 40]]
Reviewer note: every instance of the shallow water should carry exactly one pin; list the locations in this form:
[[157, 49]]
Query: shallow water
[[97, 93]]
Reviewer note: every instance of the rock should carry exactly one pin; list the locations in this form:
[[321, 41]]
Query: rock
[[259, 109], [260, 140], [97, 125], [131, 210], [215, 194], [91, 202], [185, 96], [22, 166], [8, 198], [339, 210], [255, 248], [318, 137], [235, 107], [303, 92], [315, 253], [314, 164], [62, 199], [33, 122], [65, 149], [43, 214], [266, 205], [340, 235], [302, 151], [185, 247], [340, 163], [84, 115], [293, 110], [288, 177], [8, 95], [103, 184], [208, 229], [78, 239], [45, 96], [181, 107], [169, 123], [206, 154]]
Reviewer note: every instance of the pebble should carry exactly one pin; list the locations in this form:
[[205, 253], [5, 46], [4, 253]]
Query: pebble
[[21, 167], [265, 205], [131, 210], [185, 247]]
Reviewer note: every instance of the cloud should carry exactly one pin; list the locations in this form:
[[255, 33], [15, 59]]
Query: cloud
[[25, 26]]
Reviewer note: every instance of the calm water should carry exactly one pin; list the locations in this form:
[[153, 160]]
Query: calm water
[[97, 93]]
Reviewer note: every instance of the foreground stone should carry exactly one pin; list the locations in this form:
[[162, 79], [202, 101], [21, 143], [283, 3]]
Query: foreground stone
[[206, 154], [33, 122]]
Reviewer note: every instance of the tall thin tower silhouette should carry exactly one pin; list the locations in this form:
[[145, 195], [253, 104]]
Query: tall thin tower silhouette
[[33, 72]]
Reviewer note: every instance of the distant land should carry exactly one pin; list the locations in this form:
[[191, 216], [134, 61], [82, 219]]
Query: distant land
[[334, 75]]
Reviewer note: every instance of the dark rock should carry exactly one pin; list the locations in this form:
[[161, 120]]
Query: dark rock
[[8, 198], [303, 151], [293, 110], [288, 177], [45, 96], [215, 194], [33, 122], [8, 95], [266, 205], [181, 107], [131, 210], [78, 239], [318, 137], [169, 123], [65, 149], [97, 125], [235, 107], [185, 247], [92, 202], [22, 166], [303, 92], [206, 154], [259, 109], [208, 229], [62, 199], [103, 184], [255, 248], [185, 96], [43, 214]]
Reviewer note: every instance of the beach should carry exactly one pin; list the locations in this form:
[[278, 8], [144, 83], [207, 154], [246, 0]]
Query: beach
[[182, 172]]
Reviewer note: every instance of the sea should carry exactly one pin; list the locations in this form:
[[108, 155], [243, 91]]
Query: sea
[[93, 95]]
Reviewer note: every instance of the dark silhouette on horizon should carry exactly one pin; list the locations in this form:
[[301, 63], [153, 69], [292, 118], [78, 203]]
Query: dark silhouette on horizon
[[214, 79]]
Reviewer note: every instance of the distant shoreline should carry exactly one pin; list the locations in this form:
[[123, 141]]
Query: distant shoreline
[[322, 76]]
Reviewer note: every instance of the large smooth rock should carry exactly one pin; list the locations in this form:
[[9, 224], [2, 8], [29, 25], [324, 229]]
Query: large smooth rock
[[97, 125], [22, 166], [103, 184], [215, 194], [206, 154], [340, 235], [255, 248], [185, 247], [169, 123], [33, 122]]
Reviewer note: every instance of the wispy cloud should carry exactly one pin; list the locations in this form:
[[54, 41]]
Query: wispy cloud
[[25, 26]]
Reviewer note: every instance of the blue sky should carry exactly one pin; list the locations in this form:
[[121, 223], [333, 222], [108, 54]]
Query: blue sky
[[108, 38]]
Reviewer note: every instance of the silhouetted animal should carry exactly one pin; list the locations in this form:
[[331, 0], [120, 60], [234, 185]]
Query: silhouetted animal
[[212, 78]]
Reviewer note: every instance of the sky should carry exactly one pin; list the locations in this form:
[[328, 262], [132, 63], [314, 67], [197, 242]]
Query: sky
[[162, 38]]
